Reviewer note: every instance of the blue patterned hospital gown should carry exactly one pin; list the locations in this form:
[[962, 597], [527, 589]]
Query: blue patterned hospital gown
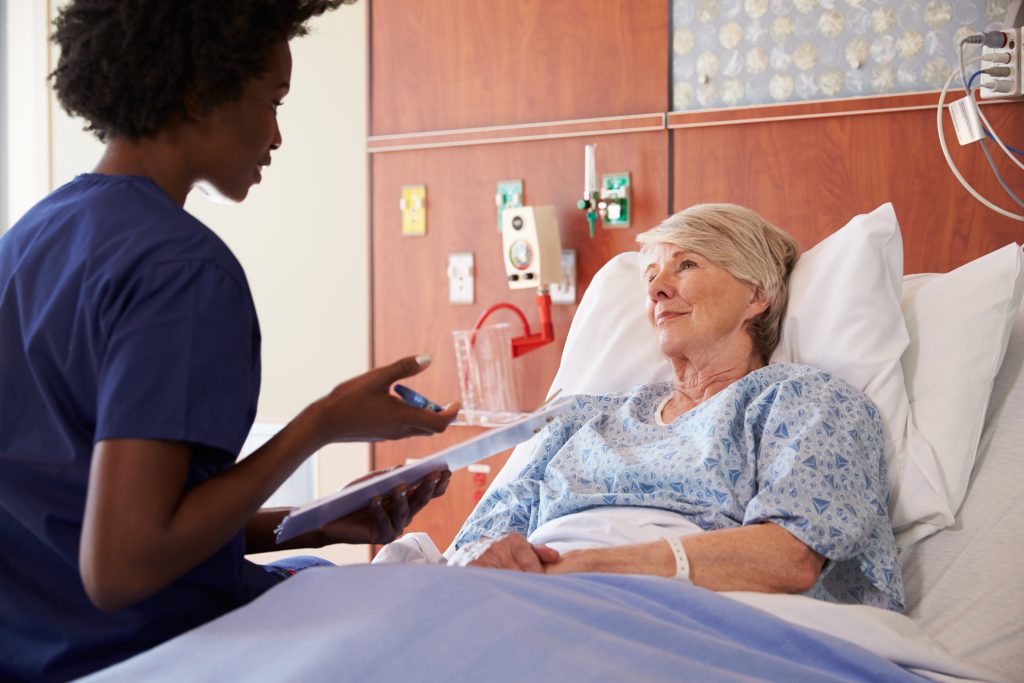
[[787, 444]]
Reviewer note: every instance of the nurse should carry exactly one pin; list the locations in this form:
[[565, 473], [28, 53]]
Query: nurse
[[130, 350]]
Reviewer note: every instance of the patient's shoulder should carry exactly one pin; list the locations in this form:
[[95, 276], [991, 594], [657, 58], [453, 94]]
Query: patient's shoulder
[[808, 384]]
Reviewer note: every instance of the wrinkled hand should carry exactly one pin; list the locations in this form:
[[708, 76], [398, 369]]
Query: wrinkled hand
[[363, 408], [384, 518], [511, 551]]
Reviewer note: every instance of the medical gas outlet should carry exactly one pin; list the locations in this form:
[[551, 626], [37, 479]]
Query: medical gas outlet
[[508, 196], [532, 247], [611, 202]]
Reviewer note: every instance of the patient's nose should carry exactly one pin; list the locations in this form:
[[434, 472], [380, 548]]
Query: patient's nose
[[660, 286]]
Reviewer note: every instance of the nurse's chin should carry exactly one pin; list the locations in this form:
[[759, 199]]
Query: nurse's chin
[[211, 192]]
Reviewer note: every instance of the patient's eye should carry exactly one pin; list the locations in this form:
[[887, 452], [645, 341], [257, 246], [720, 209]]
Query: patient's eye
[[686, 264]]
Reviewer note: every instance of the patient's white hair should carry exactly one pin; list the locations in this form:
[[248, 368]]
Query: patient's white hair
[[746, 245]]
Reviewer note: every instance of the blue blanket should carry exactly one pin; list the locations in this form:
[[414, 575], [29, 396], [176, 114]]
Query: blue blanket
[[434, 623]]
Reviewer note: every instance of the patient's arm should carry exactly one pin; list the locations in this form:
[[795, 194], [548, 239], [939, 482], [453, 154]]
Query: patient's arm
[[758, 557], [511, 551]]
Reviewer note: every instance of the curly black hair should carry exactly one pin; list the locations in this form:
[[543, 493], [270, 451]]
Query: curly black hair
[[126, 66]]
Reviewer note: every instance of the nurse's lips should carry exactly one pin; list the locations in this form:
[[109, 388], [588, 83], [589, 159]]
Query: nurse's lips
[[258, 173]]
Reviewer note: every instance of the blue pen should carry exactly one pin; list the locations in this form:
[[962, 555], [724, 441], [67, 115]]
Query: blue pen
[[416, 399]]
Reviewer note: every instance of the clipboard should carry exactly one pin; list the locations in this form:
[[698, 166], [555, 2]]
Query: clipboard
[[315, 514]]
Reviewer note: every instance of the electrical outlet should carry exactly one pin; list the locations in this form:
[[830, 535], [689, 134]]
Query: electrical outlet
[[564, 291], [509, 196], [1010, 85], [460, 278]]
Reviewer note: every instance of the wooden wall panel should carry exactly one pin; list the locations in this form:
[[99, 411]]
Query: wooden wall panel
[[411, 309], [447, 64], [811, 176]]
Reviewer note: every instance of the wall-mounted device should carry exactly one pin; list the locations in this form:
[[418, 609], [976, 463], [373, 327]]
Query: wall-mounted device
[[1007, 84], [613, 206], [531, 246], [612, 202], [1000, 70], [414, 210], [532, 252], [509, 196]]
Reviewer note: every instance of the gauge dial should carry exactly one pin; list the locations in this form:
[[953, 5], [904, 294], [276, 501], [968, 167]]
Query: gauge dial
[[520, 254]]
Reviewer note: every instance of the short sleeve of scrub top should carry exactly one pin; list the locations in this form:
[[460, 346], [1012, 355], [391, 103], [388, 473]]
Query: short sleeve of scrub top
[[179, 361]]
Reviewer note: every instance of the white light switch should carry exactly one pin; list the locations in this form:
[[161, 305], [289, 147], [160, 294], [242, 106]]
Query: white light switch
[[460, 277]]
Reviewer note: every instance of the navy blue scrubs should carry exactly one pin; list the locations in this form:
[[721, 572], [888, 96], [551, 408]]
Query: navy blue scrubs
[[121, 316]]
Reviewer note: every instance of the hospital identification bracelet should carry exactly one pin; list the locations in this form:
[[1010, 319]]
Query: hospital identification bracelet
[[682, 561]]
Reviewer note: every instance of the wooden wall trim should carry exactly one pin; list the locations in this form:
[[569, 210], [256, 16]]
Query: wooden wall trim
[[488, 135], [793, 111], [641, 123]]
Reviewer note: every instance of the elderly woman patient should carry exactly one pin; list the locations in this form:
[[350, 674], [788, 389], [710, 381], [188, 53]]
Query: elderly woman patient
[[737, 475]]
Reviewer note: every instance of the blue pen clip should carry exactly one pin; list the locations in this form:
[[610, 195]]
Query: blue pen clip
[[416, 399]]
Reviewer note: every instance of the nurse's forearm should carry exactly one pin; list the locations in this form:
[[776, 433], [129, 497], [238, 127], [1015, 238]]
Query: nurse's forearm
[[140, 532], [260, 536]]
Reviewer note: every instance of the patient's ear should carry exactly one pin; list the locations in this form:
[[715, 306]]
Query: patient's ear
[[757, 305]]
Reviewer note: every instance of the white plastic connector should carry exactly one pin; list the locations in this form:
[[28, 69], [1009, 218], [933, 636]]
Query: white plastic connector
[[997, 58], [1009, 54], [1001, 85]]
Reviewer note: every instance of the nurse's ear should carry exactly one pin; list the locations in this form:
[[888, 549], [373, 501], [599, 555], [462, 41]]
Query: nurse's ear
[[195, 110]]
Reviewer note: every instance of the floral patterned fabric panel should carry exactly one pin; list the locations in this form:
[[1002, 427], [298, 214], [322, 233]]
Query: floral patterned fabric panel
[[729, 53]]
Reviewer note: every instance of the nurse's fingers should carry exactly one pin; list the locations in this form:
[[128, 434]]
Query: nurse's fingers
[[400, 516], [383, 532], [405, 367], [424, 491], [442, 484]]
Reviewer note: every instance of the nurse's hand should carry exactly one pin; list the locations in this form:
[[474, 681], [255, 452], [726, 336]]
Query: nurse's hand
[[364, 409], [511, 551], [385, 517]]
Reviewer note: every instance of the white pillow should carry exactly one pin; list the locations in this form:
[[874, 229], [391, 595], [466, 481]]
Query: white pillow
[[844, 316], [960, 323]]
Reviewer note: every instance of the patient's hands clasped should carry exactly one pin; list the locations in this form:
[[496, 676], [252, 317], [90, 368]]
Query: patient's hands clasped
[[511, 551]]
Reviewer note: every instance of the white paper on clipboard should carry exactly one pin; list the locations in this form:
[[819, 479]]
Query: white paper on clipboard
[[329, 508]]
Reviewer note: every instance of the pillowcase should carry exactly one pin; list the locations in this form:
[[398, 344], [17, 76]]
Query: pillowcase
[[960, 324], [844, 316]]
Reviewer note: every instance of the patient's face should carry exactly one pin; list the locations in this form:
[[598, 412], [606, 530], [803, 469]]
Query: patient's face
[[695, 306]]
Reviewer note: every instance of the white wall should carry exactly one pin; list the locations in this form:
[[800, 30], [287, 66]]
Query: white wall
[[27, 104], [301, 235]]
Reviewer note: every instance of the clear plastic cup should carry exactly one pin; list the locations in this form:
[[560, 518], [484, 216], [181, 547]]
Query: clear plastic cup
[[487, 381]]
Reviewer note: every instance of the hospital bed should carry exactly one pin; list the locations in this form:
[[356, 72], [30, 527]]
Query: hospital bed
[[965, 594]]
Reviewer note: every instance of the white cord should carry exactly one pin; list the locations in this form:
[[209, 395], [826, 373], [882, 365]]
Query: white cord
[[945, 150], [981, 115]]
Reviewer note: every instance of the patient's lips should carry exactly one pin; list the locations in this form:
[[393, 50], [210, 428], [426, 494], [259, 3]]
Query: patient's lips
[[666, 315]]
